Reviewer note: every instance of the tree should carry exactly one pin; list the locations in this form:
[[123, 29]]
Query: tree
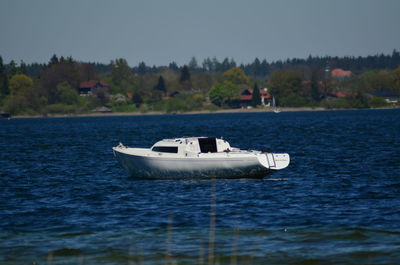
[[22, 68], [121, 71], [286, 86], [173, 66], [3, 79], [193, 66], [161, 85], [256, 98], [20, 83], [315, 95], [54, 60], [123, 77], [68, 71], [222, 91], [67, 94], [142, 68], [23, 96], [89, 72], [236, 76], [12, 69], [185, 75], [137, 99]]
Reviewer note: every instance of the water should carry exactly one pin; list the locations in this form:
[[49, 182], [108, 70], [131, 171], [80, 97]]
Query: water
[[64, 199]]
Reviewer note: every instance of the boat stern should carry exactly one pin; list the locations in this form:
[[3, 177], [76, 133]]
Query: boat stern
[[274, 161]]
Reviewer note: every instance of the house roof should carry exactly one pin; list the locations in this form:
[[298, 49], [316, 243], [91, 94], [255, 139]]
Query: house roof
[[342, 94], [340, 73], [247, 94], [92, 83]]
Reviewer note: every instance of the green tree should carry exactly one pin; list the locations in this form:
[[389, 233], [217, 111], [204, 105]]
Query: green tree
[[123, 77], [185, 74], [315, 95], [161, 85], [55, 74], [193, 66], [142, 68], [121, 72], [54, 60], [173, 66], [23, 95], [236, 76], [222, 91], [22, 68], [137, 99], [256, 98], [3, 80], [67, 94], [286, 86], [20, 83], [12, 69]]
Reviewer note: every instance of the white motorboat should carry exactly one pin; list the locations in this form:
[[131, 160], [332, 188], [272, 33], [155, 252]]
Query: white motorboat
[[197, 158]]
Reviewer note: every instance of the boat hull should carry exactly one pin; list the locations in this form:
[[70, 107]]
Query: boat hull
[[190, 167]]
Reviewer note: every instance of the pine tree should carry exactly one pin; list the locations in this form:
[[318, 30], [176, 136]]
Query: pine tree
[[22, 68], [193, 66], [161, 85], [173, 66], [12, 69], [256, 98], [54, 60], [3, 79], [142, 68], [185, 75], [314, 85], [137, 99]]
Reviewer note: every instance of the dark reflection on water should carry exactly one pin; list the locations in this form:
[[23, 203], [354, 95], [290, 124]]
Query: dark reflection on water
[[64, 199]]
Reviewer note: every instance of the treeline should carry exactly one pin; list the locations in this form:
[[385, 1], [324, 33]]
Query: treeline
[[54, 87], [259, 68]]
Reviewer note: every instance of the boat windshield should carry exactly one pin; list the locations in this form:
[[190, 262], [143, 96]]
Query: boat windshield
[[165, 149], [208, 145]]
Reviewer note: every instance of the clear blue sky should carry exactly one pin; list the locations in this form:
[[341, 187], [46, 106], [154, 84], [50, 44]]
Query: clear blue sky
[[161, 31]]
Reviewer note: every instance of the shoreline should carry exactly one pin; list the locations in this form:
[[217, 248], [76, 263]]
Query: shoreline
[[220, 111]]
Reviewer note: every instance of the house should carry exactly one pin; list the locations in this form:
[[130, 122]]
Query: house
[[339, 73], [4, 114], [88, 87], [388, 96], [340, 94], [246, 96], [102, 109]]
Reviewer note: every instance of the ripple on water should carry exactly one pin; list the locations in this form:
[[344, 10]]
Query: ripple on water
[[64, 199]]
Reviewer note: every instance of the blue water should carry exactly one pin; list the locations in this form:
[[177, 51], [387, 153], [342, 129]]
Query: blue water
[[65, 200]]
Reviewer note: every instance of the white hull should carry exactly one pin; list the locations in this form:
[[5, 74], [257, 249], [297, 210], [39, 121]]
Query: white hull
[[141, 163]]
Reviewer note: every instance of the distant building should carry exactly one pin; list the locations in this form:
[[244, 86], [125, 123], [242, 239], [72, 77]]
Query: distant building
[[340, 73], [340, 94], [246, 96], [4, 114], [388, 96], [88, 87], [102, 109]]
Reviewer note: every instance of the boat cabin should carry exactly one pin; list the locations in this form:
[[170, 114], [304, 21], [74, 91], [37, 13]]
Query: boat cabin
[[191, 145]]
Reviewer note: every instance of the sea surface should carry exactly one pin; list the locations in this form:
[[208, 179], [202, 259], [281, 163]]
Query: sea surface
[[65, 200]]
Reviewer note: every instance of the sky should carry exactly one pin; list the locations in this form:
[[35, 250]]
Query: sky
[[159, 32]]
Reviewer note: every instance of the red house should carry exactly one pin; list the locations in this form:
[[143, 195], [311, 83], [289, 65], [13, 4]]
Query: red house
[[246, 96], [340, 73], [87, 87]]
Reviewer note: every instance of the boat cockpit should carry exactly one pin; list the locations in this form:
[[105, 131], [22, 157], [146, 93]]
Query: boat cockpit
[[192, 145]]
